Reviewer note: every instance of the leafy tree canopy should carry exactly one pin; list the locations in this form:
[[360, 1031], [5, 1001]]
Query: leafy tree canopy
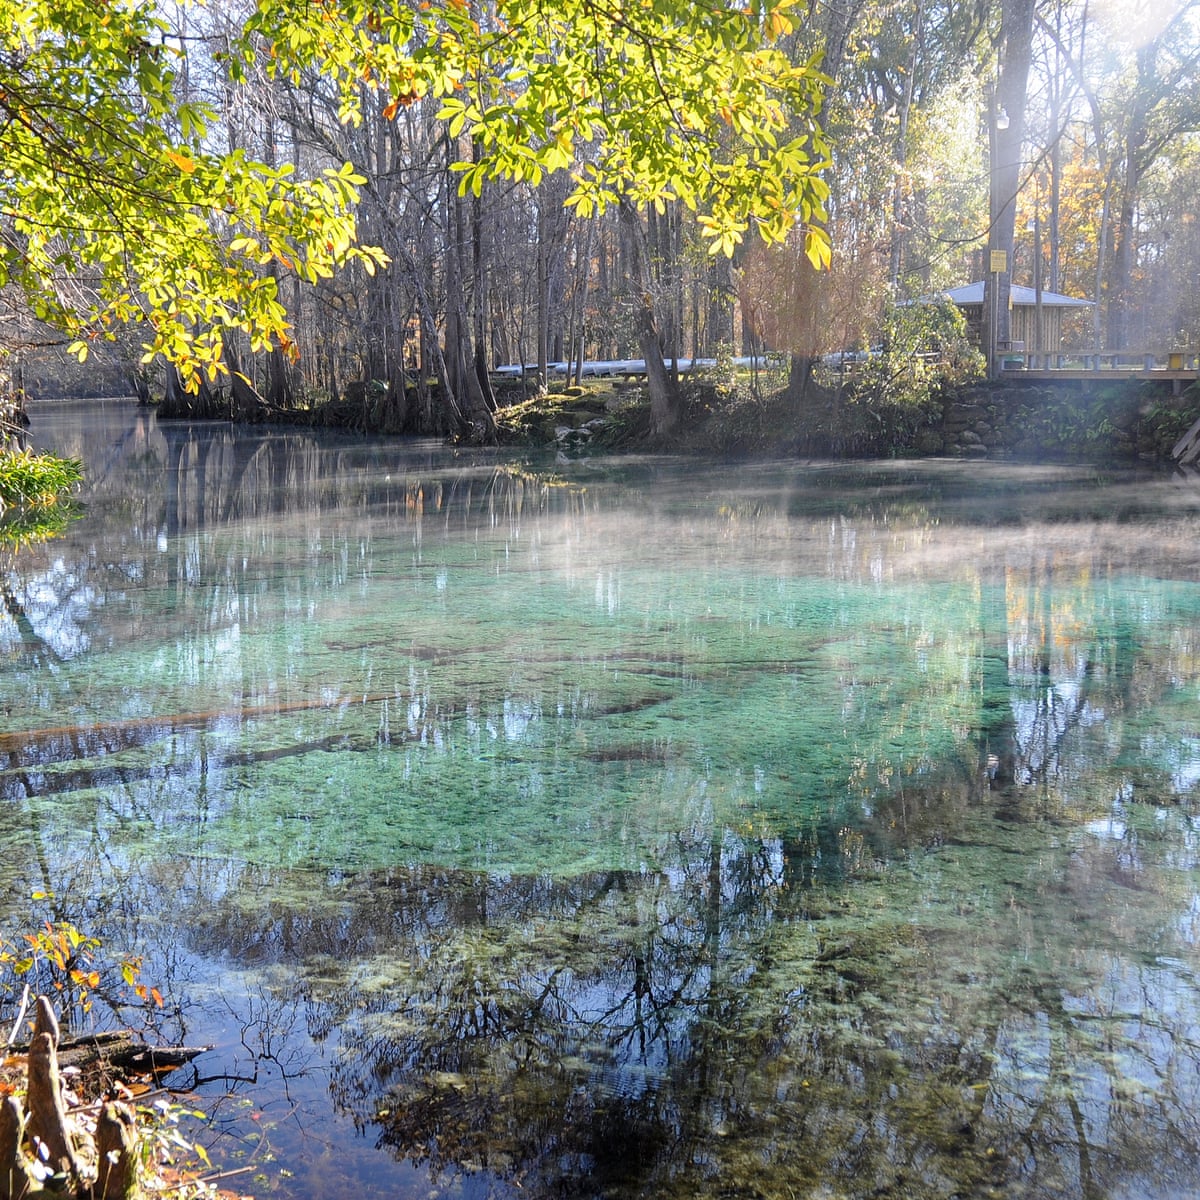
[[115, 207], [649, 101], [111, 208]]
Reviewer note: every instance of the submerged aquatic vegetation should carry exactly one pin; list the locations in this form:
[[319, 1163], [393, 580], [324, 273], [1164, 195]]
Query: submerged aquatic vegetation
[[637, 830]]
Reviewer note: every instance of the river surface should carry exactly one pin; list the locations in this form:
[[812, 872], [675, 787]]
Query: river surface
[[625, 828]]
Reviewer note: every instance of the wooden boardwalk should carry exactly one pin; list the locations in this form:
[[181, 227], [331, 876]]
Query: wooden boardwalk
[[1178, 368], [1182, 375]]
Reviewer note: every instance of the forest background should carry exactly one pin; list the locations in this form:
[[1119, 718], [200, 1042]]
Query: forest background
[[306, 202]]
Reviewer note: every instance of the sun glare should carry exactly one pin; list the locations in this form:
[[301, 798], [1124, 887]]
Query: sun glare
[[1137, 22]]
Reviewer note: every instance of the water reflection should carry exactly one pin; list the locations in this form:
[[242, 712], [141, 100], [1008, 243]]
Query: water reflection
[[649, 832]]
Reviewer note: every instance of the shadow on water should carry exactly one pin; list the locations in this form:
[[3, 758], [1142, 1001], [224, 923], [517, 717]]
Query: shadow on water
[[647, 830]]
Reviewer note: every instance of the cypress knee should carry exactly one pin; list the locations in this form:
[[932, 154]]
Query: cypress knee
[[47, 1112], [116, 1153]]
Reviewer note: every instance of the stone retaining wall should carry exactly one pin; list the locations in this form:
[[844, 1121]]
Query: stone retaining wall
[[1123, 420]]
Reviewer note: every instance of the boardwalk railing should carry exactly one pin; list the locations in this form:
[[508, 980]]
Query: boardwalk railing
[[1186, 361]]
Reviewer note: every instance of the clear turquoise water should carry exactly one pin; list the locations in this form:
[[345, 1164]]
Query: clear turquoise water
[[628, 828]]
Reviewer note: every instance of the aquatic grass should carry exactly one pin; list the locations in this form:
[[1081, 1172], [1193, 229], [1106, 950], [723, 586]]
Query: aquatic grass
[[34, 489], [39, 480]]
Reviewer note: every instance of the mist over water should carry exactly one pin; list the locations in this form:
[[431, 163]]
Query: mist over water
[[627, 828]]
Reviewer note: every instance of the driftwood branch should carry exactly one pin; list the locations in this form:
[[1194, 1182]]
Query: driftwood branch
[[16, 1027]]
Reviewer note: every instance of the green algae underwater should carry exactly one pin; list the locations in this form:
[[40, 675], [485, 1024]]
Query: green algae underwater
[[627, 828]]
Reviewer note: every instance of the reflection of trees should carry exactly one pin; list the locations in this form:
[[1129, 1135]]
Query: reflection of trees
[[1083, 669], [32, 645], [933, 1022], [176, 507], [744, 1019]]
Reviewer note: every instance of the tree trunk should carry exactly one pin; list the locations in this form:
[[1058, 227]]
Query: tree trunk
[[245, 403], [47, 1111], [116, 1153], [543, 299], [900, 184], [479, 301], [800, 370], [281, 391], [579, 296], [1120, 279], [664, 396], [718, 322], [179, 403], [1016, 52], [471, 414], [15, 1183]]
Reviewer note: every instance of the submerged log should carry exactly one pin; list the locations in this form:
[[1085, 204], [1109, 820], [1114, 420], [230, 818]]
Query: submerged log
[[122, 1054], [154, 1059]]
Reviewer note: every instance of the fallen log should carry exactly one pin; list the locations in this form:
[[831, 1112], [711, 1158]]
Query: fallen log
[[120, 1052]]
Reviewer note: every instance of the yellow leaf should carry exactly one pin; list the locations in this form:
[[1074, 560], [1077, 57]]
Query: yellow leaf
[[777, 26], [818, 249], [182, 161]]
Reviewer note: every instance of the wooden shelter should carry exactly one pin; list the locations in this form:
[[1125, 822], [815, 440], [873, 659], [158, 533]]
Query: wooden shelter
[[1024, 332]]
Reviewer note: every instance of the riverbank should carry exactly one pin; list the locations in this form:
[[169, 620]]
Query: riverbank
[[1125, 421], [1122, 421]]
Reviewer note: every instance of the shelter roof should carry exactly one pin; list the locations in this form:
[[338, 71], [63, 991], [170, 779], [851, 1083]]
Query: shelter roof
[[972, 293]]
